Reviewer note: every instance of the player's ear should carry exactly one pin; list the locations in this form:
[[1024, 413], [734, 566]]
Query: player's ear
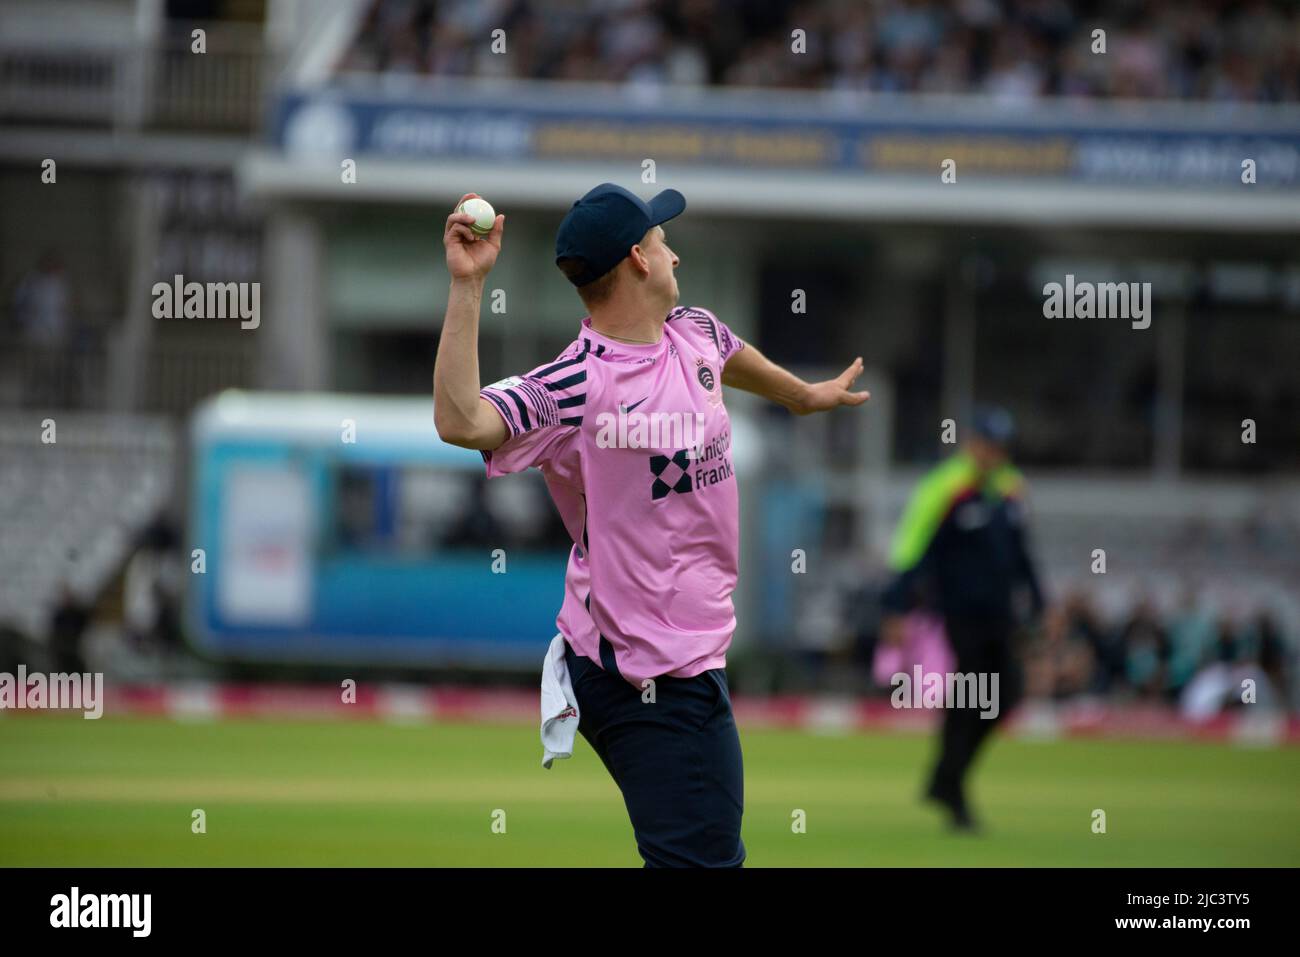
[[640, 261]]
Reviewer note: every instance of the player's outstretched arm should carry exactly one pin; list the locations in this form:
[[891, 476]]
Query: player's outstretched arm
[[461, 416], [750, 370]]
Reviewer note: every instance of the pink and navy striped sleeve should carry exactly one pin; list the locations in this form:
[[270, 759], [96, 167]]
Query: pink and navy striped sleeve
[[724, 340], [539, 409]]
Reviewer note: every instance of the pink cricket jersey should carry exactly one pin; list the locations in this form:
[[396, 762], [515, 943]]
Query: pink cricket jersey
[[635, 444]]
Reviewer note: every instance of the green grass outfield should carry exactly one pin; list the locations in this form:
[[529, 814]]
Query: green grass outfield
[[120, 791]]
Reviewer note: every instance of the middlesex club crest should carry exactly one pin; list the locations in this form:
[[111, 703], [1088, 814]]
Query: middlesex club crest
[[704, 374]]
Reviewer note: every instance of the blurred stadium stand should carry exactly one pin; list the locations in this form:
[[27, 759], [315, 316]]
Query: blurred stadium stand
[[225, 167], [74, 509], [1013, 50]]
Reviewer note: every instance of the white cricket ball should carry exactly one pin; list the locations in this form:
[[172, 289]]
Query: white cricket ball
[[485, 216]]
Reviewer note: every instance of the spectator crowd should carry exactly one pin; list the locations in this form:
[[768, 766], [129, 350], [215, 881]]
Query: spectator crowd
[[1015, 50], [1195, 657]]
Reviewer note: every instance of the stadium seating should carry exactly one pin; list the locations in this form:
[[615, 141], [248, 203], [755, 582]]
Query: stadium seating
[[72, 517], [1011, 51]]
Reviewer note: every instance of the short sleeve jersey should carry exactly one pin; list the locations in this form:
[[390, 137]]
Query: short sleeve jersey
[[635, 444]]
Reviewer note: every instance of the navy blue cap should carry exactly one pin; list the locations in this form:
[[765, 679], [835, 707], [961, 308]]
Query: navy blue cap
[[603, 226], [995, 424]]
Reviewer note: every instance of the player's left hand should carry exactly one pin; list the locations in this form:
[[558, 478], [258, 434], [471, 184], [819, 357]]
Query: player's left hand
[[822, 396]]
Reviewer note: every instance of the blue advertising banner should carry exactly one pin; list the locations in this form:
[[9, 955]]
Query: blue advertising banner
[[317, 549], [1106, 145]]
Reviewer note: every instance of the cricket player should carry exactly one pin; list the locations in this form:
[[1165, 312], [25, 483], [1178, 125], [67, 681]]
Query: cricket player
[[960, 549], [630, 430]]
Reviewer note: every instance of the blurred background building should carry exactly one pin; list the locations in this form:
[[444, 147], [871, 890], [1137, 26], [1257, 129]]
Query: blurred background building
[[316, 147]]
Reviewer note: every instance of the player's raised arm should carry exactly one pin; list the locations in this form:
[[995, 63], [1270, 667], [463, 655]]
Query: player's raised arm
[[461, 416], [750, 370]]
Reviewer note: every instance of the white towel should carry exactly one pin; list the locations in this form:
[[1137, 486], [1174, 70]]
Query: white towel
[[559, 706]]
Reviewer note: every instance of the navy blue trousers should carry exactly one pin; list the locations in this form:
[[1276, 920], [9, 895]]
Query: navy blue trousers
[[677, 760]]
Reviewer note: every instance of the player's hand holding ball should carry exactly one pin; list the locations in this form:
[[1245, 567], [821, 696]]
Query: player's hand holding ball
[[472, 237]]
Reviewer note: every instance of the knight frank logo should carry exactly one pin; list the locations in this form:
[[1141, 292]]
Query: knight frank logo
[[690, 469], [671, 474]]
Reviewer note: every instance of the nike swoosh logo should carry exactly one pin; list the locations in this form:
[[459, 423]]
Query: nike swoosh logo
[[629, 408]]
